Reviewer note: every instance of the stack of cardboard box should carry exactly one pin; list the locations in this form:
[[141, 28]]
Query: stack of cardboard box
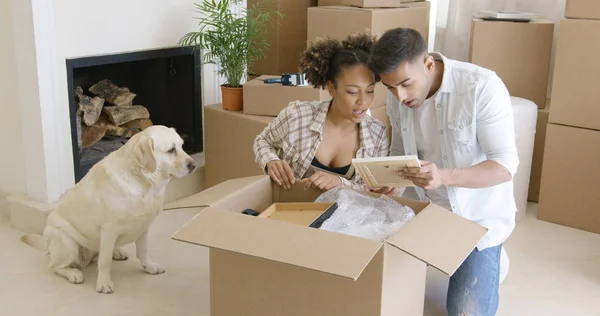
[[229, 136], [569, 187], [520, 54]]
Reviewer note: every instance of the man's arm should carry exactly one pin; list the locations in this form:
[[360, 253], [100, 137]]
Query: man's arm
[[482, 175], [496, 136]]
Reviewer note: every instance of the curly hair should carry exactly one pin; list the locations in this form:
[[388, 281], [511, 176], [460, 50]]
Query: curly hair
[[325, 58]]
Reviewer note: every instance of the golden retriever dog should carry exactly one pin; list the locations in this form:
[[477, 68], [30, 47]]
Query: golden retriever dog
[[112, 206]]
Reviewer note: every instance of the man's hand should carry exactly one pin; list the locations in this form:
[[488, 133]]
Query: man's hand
[[281, 173], [322, 180], [385, 190], [428, 176]]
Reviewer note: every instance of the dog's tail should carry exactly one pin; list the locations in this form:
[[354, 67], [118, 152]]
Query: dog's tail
[[35, 241]]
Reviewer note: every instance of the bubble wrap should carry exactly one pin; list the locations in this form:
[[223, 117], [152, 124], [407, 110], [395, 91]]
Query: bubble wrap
[[364, 216]]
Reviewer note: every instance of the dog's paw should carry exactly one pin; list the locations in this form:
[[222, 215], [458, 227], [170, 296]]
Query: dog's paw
[[105, 287], [153, 268], [75, 276], [120, 254]]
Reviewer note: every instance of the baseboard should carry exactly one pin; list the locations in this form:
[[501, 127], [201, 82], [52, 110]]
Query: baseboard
[[4, 206], [27, 214]]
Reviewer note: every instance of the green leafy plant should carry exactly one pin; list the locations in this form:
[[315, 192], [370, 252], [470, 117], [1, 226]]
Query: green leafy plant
[[232, 40]]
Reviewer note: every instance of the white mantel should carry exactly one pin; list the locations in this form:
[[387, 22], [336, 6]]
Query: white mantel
[[46, 33]]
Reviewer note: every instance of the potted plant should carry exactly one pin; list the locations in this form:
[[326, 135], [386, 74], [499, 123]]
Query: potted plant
[[231, 40]]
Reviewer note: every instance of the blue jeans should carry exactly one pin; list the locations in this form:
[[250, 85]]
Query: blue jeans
[[473, 289]]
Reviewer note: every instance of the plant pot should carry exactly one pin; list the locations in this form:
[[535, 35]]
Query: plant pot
[[233, 98]]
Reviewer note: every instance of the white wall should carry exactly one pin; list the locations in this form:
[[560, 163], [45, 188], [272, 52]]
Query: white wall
[[47, 32], [12, 165], [114, 26], [108, 27]]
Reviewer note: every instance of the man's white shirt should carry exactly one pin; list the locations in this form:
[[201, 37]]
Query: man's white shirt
[[469, 120]]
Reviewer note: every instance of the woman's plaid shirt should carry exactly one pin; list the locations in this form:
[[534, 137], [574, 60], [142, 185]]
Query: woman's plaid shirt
[[296, 133]]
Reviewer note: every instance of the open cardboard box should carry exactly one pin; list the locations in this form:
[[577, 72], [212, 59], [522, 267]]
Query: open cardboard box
[[266, 267]]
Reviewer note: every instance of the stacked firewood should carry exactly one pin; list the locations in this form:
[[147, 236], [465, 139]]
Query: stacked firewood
[[110, 111]]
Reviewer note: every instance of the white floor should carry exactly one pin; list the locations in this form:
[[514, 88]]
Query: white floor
[[555, 270]]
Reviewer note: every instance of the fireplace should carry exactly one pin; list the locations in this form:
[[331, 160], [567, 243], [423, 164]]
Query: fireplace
[[111, 97]]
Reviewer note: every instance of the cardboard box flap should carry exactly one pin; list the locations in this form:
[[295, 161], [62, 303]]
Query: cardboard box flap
[[311, 248], [439, 237], [212, 195]]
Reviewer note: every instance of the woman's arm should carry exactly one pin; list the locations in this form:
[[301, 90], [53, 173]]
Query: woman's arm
[[270, 140]]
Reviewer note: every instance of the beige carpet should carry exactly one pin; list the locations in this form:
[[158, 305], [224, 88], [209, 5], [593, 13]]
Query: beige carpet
[[554, 271]]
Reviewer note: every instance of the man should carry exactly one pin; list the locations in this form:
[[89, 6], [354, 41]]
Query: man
[[457, 117]]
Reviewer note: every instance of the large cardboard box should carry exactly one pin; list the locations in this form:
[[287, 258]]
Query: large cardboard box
[[575, 89], [340, 21], [582, 9], [538, 155], [270, 99], [262, 267], [569, 190], [284, 37], [518, 52], [228, 140], [367, 3]]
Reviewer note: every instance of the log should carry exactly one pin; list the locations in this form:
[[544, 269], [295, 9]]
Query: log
[[112, 93], [142, 124], [120, 115], [92, 134], [90, 107], [111, 129], [129, 129], [130, 103]]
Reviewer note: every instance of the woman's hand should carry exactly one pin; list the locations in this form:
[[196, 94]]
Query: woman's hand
[[281, 173], [322, 180]]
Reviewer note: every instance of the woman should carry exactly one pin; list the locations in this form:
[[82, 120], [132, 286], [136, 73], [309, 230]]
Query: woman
[[316, 141]]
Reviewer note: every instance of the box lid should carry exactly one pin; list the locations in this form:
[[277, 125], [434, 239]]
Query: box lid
[[537, 20], [214, 194], [439, 237], [306, 247], [259, 81]]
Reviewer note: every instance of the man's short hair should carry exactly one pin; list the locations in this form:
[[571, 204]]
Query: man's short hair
[[395, 47]]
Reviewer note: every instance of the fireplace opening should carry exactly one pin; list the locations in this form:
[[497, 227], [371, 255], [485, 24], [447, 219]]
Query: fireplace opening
[[112, 97]]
